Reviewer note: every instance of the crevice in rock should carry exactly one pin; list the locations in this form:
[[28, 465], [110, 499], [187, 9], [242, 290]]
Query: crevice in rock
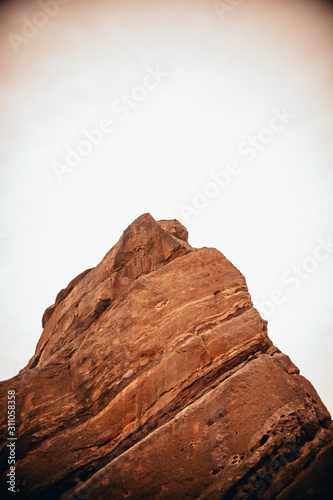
[[37, 357], [101, 306], [212, 324]]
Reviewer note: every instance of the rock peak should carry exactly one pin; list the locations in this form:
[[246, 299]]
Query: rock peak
[[155, 377], [175, 228]]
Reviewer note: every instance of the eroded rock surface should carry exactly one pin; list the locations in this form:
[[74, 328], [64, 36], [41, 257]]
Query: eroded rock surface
[[154, 377]]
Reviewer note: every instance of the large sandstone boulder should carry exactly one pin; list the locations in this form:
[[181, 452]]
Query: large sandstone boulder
[[154, 378]]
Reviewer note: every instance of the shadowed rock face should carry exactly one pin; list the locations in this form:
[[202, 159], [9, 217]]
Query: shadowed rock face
[[154, 377]]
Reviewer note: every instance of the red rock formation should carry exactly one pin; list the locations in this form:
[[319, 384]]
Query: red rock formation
[[154, 377]]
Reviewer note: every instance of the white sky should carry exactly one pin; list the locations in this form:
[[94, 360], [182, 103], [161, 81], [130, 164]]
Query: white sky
[[225, 78]]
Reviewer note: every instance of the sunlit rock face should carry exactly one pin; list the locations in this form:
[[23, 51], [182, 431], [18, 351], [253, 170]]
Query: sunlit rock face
[[154, 377]]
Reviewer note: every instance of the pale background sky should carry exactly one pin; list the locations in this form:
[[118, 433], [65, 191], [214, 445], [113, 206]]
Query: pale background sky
[[225, 78]]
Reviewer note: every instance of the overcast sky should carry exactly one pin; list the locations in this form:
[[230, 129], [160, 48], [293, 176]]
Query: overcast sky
[[217, 114]]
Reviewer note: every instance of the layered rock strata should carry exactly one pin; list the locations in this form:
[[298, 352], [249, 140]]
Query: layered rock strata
[[154, 378]]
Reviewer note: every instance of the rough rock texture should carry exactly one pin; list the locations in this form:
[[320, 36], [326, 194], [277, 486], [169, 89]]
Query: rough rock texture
[[154, 377]]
